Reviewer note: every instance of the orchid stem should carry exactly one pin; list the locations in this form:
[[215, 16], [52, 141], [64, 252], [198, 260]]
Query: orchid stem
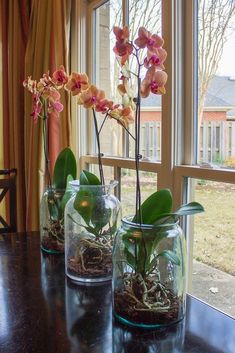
[[101, 127], [129, 133], [98, 146], [139, 217], [45, 144]]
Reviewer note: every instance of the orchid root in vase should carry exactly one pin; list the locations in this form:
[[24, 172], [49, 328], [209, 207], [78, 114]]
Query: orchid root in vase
[[54, 201]]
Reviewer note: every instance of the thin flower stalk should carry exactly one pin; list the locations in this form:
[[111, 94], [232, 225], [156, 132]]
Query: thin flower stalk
[[98, 147], [45, 144]]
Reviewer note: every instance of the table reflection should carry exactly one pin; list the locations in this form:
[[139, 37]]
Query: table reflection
[[90, 325], [131, 340], [52, 279], [89, 317]]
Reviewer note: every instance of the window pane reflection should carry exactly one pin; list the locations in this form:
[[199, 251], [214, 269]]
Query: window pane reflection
[[216, 81]]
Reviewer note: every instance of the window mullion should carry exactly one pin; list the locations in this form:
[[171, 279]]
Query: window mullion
[[125, 9], [190, 82], [165, 178], [78, 63]]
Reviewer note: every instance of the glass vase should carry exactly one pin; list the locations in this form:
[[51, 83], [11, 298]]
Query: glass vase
[[91, 220], [149, 274], [52, 221]]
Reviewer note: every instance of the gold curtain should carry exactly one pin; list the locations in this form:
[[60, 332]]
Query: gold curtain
[[14, 28], [2, 206], [37, 41]]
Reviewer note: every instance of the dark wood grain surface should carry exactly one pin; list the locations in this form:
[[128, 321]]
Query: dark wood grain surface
[[41, 311]]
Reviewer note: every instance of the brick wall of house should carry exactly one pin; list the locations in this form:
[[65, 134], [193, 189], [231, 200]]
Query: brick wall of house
[[150, 116], [207, 116], [214, 116]]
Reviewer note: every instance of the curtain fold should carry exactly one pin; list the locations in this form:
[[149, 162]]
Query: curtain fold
[[34, 40], [13, 45]]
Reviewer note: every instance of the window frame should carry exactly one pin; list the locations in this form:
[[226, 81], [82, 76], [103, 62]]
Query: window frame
[[179, 106]]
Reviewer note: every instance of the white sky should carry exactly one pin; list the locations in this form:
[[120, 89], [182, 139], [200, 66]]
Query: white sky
[[227, 63]]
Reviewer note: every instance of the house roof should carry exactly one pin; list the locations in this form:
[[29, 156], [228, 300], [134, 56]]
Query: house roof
[[213, 101], [223, 87], [220, 94], [153, 100]]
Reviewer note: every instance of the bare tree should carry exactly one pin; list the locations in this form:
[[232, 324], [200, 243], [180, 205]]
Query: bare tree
[[214, 27], [146, 13]]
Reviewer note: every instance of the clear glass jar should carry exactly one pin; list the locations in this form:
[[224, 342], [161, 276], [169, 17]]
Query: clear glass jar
[[149, 274], [165, 340], [91, 220], [52, 221]]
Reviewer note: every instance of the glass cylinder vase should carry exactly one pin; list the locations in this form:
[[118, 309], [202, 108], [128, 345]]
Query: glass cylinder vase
[[149, 274], [52, 221], [91, 220]]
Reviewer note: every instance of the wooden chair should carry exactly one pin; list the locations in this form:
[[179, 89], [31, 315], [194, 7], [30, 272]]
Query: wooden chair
[[8, 186]]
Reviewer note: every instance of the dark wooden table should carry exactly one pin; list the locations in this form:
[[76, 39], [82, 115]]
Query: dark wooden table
[[41, 311]]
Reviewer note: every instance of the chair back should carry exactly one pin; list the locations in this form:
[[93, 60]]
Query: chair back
[[8, 187]]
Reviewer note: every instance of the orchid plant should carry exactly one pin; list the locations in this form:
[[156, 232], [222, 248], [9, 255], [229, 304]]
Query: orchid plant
[[45, 101], [144, 294], [132, 89], [156, 209]]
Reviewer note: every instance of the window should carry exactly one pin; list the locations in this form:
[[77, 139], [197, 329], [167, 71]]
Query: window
[[188, 137]]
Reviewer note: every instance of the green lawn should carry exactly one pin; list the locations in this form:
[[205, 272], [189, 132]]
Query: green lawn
[[214, 239]]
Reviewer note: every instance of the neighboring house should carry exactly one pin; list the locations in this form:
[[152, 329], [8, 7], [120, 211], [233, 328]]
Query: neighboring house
[[222, 88], [217, 134], [219, 102]]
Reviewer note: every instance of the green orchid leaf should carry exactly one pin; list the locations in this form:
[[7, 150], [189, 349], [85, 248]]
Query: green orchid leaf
[[156, 204], [52, 206], [130, 258], [185, 210], [190, 209], [84, 204], [170, 256], [100, 214], [144, 251], [68, 193], [65, 165], [87, 178], [169, 218], [89, 229]]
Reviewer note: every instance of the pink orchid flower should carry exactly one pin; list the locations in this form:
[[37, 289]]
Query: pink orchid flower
[[127, 94], [124, 116], [45, 81], [59, 77], [91, 97], [103, 106], [36, 107], [30, 84], [156, 58], [154, 82], [146, 39], [55, 107], [121, 34], [122, 47], [53, 94], [77, 83]]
